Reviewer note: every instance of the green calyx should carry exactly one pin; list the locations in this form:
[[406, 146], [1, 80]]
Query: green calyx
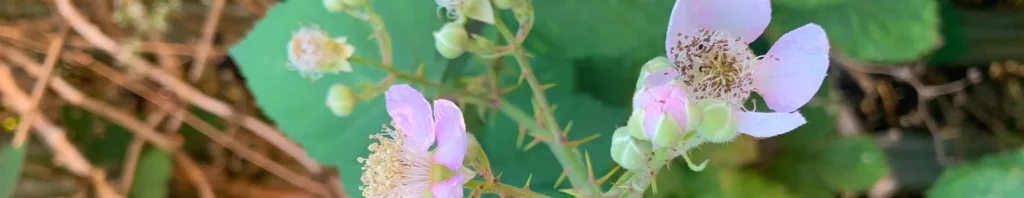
[[719, 124], [451, 40], [439, 172]]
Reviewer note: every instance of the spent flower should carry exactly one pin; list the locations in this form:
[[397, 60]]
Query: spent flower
[[401, 164], [707, 44], [313, 52]]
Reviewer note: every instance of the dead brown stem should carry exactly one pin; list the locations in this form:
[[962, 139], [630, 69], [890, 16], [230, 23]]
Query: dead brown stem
[[205, 128], [65, 153], [183, 90], [52, 53], [206, 44], [75, 97], [199, 180]]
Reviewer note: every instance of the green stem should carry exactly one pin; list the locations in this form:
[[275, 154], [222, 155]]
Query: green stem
[[568, 156], [501, 189]]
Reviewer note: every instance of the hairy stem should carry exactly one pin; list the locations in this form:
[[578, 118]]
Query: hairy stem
[[568, 156], [501, 189]]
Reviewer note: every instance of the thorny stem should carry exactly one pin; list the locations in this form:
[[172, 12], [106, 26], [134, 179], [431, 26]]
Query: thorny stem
[[501, 189], [568, 156]]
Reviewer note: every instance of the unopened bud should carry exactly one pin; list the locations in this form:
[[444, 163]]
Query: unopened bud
[[657, 71], [628, 152], [341, 100], [718, 124], [451, 40]]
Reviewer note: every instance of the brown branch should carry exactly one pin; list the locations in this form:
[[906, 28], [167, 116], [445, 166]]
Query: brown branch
[[73, 96], [206, 44], [18, 34], [199, 180], [183, 90], [40, 87], [203, 127], [65, 153]]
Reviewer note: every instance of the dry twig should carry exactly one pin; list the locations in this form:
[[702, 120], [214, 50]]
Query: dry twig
[[183, 90], [66, 153], [40, 87], [206, 44]]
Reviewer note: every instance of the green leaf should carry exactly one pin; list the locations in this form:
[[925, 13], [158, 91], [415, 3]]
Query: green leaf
[[852, 164], [11, 160], [152, 174], [588, 115], [733, 154], [716, 182], [586, 28], [298, 105], [105, 147], [870, 30], [795, 171], [997, 175]]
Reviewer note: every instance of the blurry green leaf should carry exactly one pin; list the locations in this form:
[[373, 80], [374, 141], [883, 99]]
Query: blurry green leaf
[[588, 115], [11, 160], [100, 147], [1000, 175], [796, 172], [852, 164], [870, 30], [733, 154], [152, 174], [585, 28], [298, 105], [716, 182]]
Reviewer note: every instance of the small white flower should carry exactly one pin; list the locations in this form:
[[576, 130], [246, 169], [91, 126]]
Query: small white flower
[[312, 52]]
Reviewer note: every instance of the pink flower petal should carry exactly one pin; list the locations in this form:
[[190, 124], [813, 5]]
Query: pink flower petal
[[652, 118], [411, 113], [451, 134], [661, 77], [448, 188], [745, 19], [793, 69], [763, 124]]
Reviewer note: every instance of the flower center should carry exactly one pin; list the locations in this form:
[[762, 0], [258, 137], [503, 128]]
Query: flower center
[[714, 65], [393, 169]]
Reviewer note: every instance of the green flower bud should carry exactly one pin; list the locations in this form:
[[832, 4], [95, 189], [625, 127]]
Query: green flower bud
[[719, 124], [669, 133], [341, 100], [451, 40], [341, 5], [628, 152], [651, 67], [635, 124], [507, 4]]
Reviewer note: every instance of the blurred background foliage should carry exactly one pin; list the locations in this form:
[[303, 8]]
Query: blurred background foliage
[[891, 120]]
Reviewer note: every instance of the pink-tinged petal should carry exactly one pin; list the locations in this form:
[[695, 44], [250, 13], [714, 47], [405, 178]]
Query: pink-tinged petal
[[793, 69], [745, 19], [652, 118], [451, 134], [764, 124], [448, 188], [661, 77], [411, 113], [641, 99], [677, 110]]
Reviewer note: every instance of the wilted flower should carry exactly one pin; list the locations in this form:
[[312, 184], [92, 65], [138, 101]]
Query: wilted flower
[[312, 52], [707, 44], [341, 5], [402, 165], [662, 114], [479, 10]]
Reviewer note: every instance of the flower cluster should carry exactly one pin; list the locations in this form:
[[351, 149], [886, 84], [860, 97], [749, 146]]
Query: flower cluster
[[402, 164], [313, 52], [696, 93]]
